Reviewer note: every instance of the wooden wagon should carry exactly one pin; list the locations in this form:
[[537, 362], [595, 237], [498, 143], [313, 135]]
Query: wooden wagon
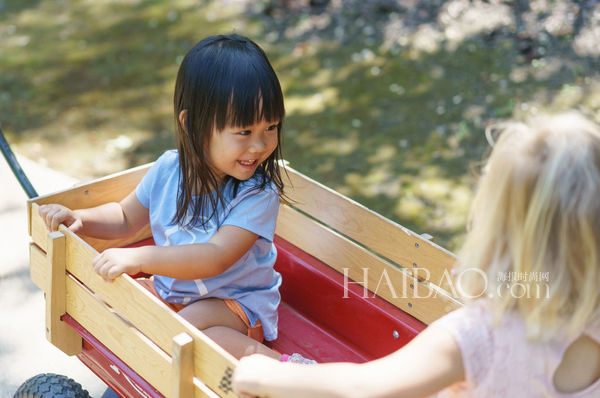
[[356, 287]]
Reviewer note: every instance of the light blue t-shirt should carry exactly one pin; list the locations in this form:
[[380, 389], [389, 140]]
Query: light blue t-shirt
[[251, 281]]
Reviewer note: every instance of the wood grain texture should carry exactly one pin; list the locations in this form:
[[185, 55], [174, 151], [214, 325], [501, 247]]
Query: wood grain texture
[[38, 268], [58, 332], [212, 364], [388, 239], [111, 188], [182, 370], [395, 285]]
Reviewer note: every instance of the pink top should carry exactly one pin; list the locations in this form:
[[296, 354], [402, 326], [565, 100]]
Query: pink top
[[500, 362]]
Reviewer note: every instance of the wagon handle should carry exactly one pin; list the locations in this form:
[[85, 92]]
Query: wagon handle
[[16, 167]]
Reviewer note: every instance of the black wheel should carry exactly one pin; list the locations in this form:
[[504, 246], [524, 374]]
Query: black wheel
[[50, 385]]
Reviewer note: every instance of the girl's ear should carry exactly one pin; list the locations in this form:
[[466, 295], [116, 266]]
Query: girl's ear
[[182, 118]]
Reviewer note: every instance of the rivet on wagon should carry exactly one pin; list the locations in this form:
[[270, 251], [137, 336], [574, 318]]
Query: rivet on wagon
[[412, 286], [414, 265], [417, 245], [85, 192], [396, 334], [409, 305]]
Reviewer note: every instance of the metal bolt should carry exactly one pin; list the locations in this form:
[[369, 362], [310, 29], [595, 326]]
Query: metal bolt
[[417, 245], [396, 334], [409, 305], [414, 265], [85, 192]]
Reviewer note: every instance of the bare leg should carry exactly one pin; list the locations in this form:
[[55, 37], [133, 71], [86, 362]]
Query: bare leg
[[214, 318], [238, 344]]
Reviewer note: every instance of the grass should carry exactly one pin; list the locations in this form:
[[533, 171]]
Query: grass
[[393, 120]]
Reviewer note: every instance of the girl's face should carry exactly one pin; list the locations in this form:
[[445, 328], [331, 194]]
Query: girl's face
[[238, 151]]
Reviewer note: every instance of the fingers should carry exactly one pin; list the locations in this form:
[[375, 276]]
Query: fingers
[[113, 262], [76, 226], [53, 215], [57, 218], [105, 267]]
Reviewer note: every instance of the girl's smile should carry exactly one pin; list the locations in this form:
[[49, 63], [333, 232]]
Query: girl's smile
[[238, 151], [248, 163]]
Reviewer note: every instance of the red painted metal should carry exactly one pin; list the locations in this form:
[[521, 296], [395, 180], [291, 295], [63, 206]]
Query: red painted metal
[[107, 366], [352, 325]]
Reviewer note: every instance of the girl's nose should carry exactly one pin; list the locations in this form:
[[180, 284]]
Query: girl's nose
[[258, 145]]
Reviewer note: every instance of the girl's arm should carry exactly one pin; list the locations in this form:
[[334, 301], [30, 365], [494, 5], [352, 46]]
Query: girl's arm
[[430, 362], [193, 261], [108, 221]]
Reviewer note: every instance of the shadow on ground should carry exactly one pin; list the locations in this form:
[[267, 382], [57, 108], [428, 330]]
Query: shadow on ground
[[387, 101]]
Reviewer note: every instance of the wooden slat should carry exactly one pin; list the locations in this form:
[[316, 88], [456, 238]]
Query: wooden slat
[[202, 391], [212, 364], [38, 270], [58, 332], [390, 240], [38, 228], [39, 233], [406, 293], [124, 340], [111, 188]]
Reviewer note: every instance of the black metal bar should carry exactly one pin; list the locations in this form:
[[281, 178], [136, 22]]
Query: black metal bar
[[16, 167]]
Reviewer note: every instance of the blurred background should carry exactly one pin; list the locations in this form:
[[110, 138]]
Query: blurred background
[[387, 101]]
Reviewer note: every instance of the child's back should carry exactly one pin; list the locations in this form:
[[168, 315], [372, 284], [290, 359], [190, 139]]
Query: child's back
[[534, 243], [500, 361]]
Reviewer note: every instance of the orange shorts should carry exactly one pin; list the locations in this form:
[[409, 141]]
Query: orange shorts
[[255, 332]]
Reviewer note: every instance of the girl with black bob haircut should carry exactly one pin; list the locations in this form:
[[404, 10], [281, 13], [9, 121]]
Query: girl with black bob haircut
[[222, 81], [212, 204]]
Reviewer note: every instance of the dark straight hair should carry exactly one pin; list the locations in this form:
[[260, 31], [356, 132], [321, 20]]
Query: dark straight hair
[[223, 80]]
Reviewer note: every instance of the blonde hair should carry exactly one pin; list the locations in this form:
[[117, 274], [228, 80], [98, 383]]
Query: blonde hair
[[537, 213]]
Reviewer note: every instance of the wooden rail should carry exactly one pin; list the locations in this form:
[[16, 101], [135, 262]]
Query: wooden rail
[[407, 270]]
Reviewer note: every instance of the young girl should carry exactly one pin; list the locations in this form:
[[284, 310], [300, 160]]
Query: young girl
[[212, 203], [532, 330]]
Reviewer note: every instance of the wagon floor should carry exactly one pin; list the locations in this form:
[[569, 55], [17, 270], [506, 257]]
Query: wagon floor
[[329, 319]]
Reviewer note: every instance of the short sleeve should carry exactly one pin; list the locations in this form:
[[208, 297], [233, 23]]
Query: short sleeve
[[470, 327], [144, 189], [255, 210]]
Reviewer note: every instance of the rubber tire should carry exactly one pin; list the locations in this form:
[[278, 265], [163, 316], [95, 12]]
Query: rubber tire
[[50, 385]]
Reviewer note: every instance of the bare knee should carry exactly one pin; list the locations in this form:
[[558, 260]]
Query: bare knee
[[208, 313], [238, 344]]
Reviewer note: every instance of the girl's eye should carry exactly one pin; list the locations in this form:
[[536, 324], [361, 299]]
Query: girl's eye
[[245, 132], [272, 128]]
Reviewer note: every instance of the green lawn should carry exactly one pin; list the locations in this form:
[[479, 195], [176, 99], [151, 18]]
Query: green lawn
[[385, 104]]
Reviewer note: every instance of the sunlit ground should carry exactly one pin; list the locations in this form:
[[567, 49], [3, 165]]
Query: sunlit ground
[[387, 101]]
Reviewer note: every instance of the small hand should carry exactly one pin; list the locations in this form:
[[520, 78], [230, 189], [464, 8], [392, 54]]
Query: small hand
[[54, 215], [113, 262]]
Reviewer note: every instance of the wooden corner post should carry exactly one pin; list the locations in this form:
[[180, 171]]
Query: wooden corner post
[[182, 366], [58, 332]]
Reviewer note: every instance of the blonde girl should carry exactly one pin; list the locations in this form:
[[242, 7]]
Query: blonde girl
[[212, 203], [531, 326]]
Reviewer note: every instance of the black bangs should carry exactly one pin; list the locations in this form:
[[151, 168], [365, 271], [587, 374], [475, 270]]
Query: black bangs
[[224, 80], [248, 92]]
